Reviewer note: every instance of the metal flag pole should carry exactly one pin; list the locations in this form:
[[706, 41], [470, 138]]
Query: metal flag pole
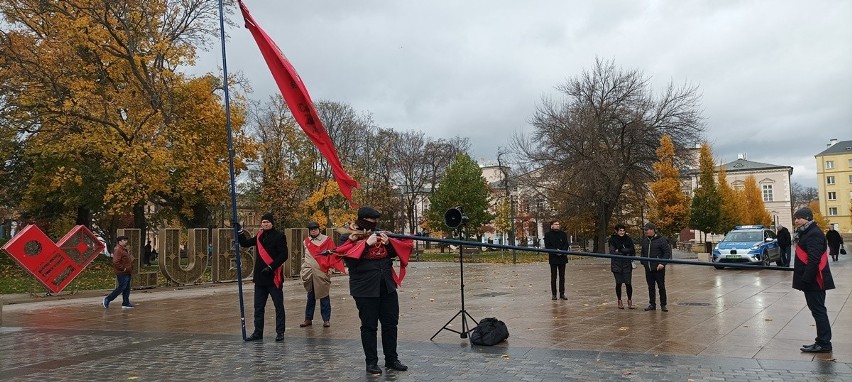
[[234, 222]]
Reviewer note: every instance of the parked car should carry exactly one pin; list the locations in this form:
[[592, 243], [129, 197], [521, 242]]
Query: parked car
[[753, 244]]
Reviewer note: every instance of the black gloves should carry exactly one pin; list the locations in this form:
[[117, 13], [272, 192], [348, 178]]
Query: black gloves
[[238, 227], [267, 270]]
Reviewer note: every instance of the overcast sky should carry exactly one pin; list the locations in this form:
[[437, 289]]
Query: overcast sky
[[775, 76]]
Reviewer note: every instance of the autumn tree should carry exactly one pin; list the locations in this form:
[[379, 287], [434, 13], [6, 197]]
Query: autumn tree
[[94, 94], [601, 139], [754, 211], [669, 207], [706, 208], [731, 212], [462, 185], [819, 219]]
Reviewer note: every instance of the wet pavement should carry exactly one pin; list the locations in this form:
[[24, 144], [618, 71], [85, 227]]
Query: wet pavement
[[721, 325]]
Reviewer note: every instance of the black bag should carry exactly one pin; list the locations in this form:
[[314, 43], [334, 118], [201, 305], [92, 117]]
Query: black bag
[[489, 332], [842, 249]]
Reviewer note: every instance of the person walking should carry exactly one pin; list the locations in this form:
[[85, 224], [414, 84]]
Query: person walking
[[556, 238], [621, 244], [316, 265], [784, 241], [372, 283], [655, 247], [122, 264], [146, 253], [812, 276], [268, 277], [834, 242]]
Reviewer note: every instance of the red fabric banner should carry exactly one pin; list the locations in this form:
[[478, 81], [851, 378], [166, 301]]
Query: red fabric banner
[[300, 104], [321, 253]]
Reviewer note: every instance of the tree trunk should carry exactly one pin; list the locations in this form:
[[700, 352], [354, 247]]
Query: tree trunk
[[139, 219], [84, 217]]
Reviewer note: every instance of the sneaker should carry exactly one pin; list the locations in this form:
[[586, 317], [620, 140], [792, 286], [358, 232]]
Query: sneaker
[[373, 369], [105, 303], [396, 365], [651, 307], [131, 306]]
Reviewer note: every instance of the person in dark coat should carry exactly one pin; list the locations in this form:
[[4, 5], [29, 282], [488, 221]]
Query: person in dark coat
[[655, 247], [268, 275], [812, 276], [622, 270], [784, 241], [834, 242], [372, 283], [556, 238]]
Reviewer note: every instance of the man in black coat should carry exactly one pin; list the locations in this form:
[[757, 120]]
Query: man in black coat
[[268, 277], [812, 276], [372, 285], [556, 238], [784, 241], [655, 247], [834, 242]]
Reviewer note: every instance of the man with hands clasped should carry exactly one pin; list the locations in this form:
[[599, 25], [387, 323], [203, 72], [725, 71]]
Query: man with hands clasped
[[655, 247]]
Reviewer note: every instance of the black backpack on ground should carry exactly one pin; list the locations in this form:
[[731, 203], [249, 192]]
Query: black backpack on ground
[[489, 332]]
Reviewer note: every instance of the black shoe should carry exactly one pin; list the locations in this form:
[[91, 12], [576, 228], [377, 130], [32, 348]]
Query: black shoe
[[279, 337], [651, 307], [663, 308], [562, 297], [255, 337], [396, 365], [553, 297], [374, 369], [816, 349]]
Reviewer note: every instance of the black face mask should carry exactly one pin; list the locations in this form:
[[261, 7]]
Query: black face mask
[[365, 225]]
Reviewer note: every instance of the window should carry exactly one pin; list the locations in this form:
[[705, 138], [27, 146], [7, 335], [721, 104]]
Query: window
[[832, 211], [767, 192], [829, 179], [850, 178], [829, 164], [850, 163], [832, 195]]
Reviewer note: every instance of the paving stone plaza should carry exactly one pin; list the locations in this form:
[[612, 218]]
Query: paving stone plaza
[[732, 325]]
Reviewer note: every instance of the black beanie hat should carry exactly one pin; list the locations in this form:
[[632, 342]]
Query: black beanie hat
[[268, 217], [804, 213], [313, 225]]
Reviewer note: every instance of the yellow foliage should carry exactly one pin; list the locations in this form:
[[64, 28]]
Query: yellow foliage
[[669, 205]]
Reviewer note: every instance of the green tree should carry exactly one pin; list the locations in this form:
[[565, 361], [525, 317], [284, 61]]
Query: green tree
[[731, 213], [669, 206], [754, 211], [706, 207], [461, 186]]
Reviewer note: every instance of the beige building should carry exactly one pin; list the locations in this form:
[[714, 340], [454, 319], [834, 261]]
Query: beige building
[[834, 182]]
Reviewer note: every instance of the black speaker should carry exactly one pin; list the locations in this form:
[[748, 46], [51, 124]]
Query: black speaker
[[455, 217]]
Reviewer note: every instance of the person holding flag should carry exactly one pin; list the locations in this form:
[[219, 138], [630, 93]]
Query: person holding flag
[[315, 274], [268, 277], [372, 283]]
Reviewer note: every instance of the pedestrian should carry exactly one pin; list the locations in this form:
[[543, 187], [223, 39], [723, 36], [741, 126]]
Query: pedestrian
[[834, 242], [784, 241], [621, 244], [556, 238], [316, 265], [122, 264], [368, 255], [655, 246], [812, 276], [268, 277], [146, 253]]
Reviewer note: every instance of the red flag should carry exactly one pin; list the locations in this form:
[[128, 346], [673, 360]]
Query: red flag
[[300, 104]]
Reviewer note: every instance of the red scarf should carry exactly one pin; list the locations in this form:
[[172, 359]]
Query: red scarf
[[278, 279], [403, 248], [823, 262], [325, 261]]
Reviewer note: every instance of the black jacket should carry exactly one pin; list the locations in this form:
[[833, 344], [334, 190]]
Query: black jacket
[[275, 244], [812, 241], [784, 239], [367, 275], [656, 247], [556, 239], [834, 241], [621, 245]]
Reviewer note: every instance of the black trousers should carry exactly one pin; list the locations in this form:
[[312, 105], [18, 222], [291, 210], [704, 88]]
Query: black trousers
[[372, 310], [816, 303], [657, 278], [560, 268], [261, 294]]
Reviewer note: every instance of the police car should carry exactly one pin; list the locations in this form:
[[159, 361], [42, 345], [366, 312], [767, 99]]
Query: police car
[[753, 244]]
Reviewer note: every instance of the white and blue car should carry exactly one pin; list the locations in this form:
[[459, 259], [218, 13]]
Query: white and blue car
[[753, 244]]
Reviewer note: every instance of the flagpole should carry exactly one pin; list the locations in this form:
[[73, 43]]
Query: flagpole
[[234, 222]]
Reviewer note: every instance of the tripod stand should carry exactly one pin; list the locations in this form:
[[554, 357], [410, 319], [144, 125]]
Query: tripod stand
[[465, 329]]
